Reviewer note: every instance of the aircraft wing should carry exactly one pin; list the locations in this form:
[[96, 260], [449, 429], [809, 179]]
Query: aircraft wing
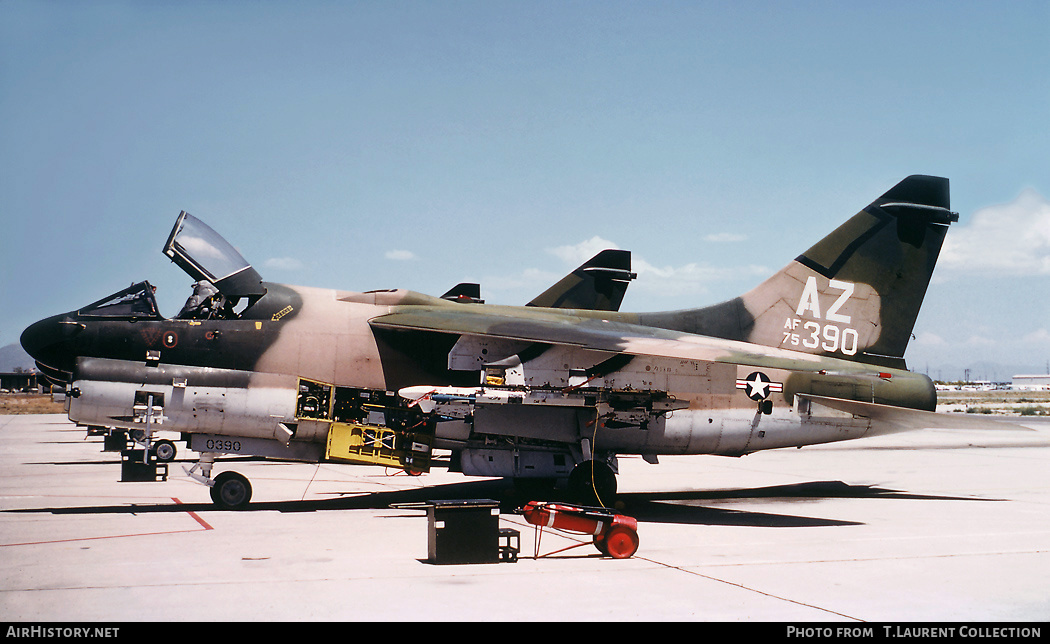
[[618, 337], [549, 327], [901, 419]]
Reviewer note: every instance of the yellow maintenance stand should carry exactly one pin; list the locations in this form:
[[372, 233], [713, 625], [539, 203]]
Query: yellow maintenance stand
[[377, 445]]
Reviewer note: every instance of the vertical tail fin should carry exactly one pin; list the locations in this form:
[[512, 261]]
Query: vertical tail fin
[[598, 284], [856, 293], [860, 288]]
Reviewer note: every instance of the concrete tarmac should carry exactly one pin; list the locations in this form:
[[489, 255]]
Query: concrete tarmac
[[927, 526]]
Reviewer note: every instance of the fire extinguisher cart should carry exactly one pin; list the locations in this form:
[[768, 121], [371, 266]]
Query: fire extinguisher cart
[[614, 535]]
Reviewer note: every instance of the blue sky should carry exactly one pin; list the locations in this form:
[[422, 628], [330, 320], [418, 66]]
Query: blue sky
[[362, 145]]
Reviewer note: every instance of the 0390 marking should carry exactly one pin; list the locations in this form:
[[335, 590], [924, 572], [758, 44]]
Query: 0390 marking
[[813, 335], [222, 445]]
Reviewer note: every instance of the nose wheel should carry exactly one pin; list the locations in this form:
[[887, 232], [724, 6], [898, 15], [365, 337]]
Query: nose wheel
[[165, 450]]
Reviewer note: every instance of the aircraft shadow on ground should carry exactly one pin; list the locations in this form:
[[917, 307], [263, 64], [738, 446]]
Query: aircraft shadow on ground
[[692, 507]]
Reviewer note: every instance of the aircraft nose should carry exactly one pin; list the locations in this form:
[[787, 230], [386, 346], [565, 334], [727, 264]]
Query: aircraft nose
[[49, 342]]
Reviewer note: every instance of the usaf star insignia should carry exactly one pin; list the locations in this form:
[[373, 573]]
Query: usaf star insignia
[[758, 386]]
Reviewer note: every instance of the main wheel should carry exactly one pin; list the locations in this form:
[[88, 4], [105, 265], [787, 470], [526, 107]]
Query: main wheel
[[593, 483], [231, 491]]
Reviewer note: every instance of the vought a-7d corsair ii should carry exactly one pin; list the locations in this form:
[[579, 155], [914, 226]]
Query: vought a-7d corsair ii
[[553, 390]]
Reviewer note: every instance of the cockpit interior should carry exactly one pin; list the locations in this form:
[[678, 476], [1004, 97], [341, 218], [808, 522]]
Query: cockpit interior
[[225, 284]]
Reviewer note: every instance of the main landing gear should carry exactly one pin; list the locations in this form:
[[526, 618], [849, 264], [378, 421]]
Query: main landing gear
[[229, 490], [593, 483]]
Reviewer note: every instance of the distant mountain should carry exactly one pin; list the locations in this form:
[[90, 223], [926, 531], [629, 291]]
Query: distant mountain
[[14, 356]]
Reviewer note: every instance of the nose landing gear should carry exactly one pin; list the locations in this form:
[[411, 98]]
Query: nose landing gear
[[165, 450]]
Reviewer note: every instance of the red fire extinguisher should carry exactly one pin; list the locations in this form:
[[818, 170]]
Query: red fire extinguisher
[[615, 535]]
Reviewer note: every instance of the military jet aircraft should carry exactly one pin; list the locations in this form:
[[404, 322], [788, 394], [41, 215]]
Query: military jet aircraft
[[813, 354]]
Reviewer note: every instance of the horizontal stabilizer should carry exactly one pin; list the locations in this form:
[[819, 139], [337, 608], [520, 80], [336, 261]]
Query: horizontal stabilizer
[[899, 419]]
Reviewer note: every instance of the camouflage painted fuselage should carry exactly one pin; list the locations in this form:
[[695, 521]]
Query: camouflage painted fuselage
[[241, 377], [812, 355]]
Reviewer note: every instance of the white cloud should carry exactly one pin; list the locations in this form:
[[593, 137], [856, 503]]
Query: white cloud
[[528, 280], [1011, 239], [663, 281], [1040, 336], [400, 255], [689, 279], [928, 339], [579, 253], [283, 264], [980, 341]]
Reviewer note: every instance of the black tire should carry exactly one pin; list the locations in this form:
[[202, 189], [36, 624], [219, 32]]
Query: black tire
[[593, 483], [231, 491], [165, 451]]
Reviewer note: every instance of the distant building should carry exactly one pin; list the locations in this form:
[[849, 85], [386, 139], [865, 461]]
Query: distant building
[[20, 381], [1032, 383]]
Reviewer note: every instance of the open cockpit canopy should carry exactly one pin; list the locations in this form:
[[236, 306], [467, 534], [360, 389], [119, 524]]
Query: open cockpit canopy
[[205, 255]]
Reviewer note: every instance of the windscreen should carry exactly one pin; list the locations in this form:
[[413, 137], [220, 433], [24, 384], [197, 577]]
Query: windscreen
[[136, 301]]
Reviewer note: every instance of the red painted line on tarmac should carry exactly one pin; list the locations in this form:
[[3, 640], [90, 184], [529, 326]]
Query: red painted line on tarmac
[[194, 515], [112, 536]]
